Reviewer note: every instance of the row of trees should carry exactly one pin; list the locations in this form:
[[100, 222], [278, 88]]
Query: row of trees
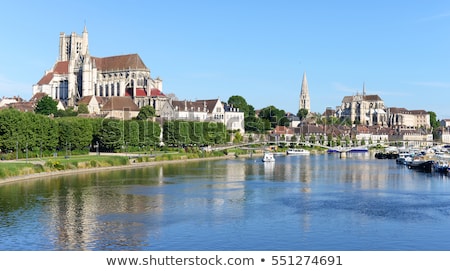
[[29, 132], [38, 135], [194, 133]]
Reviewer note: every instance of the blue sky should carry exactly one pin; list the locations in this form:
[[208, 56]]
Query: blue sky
[[256, 49]]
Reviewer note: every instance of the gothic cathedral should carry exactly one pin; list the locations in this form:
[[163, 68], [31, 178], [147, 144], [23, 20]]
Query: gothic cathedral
[[77, 74]]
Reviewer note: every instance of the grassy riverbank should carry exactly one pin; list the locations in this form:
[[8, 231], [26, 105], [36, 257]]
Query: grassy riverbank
[[33, 166], [40, 168], [29, 167]]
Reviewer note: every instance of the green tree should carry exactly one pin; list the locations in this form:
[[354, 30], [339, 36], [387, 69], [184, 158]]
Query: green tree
[[146, 112], [302, 113], [110, 134], [46, 106], [238, 138], [12, 127], [274, 116], [178, 133], [75, 133], [20, 130], [83, 109], [254, 124], [241, 103], [69, 112], [434, 122]]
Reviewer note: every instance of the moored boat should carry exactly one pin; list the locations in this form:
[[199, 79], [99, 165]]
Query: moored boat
[[441, 166], [386, 155], [358, 149], [268, 157], [421, 165], [297, 152]]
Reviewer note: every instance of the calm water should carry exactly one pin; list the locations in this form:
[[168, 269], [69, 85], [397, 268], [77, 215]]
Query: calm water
[[317, 202]]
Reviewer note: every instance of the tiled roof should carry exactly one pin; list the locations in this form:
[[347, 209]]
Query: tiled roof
[[349, 99], [38, 96], [61, 67], [120, 103], [371, 98], [46, 79], [362, 129], [396, 110], [188, 106], [282, 130], [140, 92], [118, 63], [23, 106], [101, 100], [85, 100], [210, 104], [418, 112], [156, 92]]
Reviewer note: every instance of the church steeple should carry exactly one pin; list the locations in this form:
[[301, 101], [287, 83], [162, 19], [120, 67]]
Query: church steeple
[[304, 95]]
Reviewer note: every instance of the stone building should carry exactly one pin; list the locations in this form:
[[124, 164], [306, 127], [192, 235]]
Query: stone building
[[212, 110], [77, 74], [404, 119], [363, 109]]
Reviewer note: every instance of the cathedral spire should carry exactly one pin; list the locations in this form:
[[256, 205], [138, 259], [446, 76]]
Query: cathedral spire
[[304, 95]]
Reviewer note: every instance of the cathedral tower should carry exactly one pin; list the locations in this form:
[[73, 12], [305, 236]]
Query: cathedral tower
[[72, 46], [304, 95]]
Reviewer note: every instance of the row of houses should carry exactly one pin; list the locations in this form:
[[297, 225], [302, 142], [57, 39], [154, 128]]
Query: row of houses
[[123, 107]]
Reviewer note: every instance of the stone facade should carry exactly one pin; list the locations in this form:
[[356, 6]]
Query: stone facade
[[77, 74], [404, 119], [363, 109], [205, 110]]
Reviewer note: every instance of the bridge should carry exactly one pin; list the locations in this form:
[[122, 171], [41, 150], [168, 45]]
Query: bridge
[[339, 149]]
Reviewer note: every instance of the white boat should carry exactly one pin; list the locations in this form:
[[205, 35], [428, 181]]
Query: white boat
[[297, 152], [268, 157]]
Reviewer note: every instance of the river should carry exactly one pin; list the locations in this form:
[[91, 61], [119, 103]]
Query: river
[[317, 202]]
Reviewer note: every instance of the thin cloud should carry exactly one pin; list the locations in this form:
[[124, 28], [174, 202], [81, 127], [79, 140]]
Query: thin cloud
[[205, 75], [431, 84], [435, 17], [384, 93], [343, 88]]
